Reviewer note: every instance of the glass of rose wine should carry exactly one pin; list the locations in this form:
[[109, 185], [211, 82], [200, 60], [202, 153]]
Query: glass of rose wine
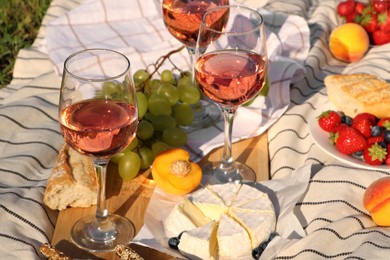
[[182, 19], [98, 117], [230, 68]]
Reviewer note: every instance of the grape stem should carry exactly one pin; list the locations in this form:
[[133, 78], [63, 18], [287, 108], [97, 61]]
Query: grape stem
[[160, 61]]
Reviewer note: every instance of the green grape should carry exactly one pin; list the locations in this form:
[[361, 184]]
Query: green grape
[[146, 155], [167, 76], [159, 147], [134, 143], [152, 86], [116, 158], [142, 102], [112, 90], [263, 92], [145, 130], [188, 94], [140, 76], [169, 91], [159, 105], [129, 165], [174, 136], [148, 116], [162, 122], [183, 114], [184, 80]]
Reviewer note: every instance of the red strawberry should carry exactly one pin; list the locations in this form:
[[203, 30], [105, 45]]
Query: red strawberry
[[359, 7], [374, 154], [375, 139], [379, 6], [370, 22], [384, 122], [328, 119], [384, 21], [364, 115], [345, 8], [381, 37], [350, 141], [387, 160], [335, 132], [363, 126]]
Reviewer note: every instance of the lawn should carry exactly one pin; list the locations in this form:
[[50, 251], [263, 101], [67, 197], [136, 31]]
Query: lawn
[[19, 24]]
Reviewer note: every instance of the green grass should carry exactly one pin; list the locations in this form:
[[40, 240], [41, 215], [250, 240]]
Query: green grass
[[19, 24]]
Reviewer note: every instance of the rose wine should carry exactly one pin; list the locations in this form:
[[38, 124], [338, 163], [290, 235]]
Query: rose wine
[[183, 17], [231, 77], [99, 127]]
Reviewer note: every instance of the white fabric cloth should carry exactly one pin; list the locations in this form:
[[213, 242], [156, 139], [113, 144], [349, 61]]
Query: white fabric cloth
[[330, 216], [137, 29]]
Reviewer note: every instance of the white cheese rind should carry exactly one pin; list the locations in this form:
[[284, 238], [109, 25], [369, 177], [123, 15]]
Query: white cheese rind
[[177, 222], [233, 239], [200, 243]]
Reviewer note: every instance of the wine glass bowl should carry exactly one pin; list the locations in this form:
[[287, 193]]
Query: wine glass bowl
[[230, 68], [98, 117], [182, 19]]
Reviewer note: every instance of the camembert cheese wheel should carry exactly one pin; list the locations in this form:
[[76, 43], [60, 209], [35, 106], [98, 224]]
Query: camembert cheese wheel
[[221, 221]]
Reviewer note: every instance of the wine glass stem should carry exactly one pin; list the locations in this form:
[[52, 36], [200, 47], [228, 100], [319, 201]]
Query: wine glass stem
[[101, 208], [191, 54], [227, 158]]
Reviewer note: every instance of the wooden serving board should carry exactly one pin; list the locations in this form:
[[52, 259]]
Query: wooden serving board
[[130, 199]]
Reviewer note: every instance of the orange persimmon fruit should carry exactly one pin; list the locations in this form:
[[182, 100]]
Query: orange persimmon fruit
[[174, 173]]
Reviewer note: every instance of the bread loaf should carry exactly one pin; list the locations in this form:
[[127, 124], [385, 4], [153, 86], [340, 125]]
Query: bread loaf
[[357, 93], [72, 183]]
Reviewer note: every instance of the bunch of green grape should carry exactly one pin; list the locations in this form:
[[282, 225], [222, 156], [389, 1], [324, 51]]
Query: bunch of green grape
[[164, 109]]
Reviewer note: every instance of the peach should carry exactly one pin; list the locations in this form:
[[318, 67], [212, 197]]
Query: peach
[[376, 200], [349, 42]]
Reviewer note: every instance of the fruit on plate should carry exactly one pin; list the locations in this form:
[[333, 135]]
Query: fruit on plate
[[374, 17], [174, 173], [365, 136], [349, 42], [376, 200], [328, 120]]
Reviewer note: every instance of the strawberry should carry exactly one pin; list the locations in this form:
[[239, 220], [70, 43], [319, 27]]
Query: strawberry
[[345, 8], [370, 22], [363, 126], [384, 122], [335, 132], [384, 22], [374, 154], [379, 6], [359, 7], [387, 159], [328, 119], [375, 139], [381, 37], [350, 141], [364, 115]]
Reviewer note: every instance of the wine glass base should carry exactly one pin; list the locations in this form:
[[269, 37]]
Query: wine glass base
[[103, 237], [206, 114], [237, 173]]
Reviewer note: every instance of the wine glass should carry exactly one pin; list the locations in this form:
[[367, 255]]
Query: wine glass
[[98, 117], [182, 19], [230, 68]]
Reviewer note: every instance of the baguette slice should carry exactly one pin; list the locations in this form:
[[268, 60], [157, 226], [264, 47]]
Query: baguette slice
[[72, 183], [357, 93]]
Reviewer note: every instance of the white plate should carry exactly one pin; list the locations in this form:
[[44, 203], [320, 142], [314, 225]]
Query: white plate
[[321, 138]]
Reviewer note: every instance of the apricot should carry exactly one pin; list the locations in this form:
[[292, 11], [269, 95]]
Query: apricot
[[174, 173], [376, 201], [349, 42]]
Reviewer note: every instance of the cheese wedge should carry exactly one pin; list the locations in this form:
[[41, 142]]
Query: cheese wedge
[[200, 243]]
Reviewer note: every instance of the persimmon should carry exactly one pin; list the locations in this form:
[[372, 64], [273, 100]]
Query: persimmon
[[174, 173]]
